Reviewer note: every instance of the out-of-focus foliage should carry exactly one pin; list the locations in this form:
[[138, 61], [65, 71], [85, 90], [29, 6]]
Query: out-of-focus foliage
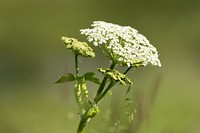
[[32, 57]]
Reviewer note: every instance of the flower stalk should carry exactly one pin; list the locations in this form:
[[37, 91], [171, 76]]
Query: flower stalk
[[76, 67], [103, 83], [98, 99]]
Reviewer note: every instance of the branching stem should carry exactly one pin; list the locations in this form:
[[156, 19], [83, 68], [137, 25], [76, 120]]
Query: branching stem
[[103, 83], [105, 91]]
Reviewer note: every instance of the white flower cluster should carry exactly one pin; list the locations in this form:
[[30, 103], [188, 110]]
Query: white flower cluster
[[123, 44]]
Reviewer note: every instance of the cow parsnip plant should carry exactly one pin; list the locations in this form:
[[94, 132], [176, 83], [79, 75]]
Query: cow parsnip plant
[[124, 46]]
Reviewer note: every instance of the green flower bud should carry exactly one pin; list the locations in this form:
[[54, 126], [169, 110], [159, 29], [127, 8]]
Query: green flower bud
[[79, 48], [116, 75], [93, 111]]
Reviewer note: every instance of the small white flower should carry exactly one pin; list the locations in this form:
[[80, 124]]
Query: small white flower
[[122, 44], [95, 44], [90, 39]]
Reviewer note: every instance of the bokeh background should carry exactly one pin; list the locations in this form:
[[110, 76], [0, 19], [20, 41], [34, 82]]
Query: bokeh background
[[32, 57]]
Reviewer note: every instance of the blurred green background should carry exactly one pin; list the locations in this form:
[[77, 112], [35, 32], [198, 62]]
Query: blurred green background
[[32, 57]]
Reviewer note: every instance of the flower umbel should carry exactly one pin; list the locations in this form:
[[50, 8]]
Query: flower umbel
[[79, 48], [122, 44], [116, 76]]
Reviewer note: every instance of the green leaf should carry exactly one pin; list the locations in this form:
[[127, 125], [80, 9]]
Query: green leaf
[[67, 78], [89, 76], [94, 80]]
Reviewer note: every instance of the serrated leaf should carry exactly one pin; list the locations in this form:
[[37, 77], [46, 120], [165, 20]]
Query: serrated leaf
[[89, 76], [67, 78]]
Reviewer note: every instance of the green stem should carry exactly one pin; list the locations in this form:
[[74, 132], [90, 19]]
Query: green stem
[[127, 70], [82, 125], [76, 66], [105, 92], [77, 92], [103, 83], [112, 83]]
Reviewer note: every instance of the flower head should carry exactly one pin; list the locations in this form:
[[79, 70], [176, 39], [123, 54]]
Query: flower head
[[79, 48], [122, 44], [116, 75]]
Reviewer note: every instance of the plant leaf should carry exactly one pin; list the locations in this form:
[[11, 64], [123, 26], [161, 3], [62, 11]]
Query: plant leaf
[[94, 80], [67, 78], [89, 76]]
